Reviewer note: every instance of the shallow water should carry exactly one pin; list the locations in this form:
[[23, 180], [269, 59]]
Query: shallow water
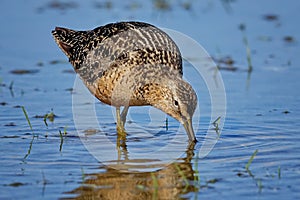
[[262, 108]]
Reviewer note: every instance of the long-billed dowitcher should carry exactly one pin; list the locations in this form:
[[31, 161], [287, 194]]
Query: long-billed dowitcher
[[131, 64]]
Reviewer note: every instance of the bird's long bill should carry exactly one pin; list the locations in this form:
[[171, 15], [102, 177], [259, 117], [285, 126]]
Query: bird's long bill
[[189, 130]]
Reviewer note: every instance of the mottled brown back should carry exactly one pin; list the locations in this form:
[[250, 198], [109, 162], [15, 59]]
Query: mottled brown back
[[94, 52]]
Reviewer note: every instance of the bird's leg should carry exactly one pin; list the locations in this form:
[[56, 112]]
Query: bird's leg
[[118, 116], [121, 138], [120, 124], [124, 114]]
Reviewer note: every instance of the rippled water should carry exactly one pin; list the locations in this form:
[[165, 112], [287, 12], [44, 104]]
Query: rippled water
[[262, 108]]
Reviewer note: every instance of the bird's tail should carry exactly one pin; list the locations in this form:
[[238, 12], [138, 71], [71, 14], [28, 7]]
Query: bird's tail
[[70, 42]]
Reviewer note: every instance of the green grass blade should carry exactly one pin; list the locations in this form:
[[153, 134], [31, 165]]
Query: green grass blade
[[250, 160], [29, 149], [27, 118], [45, 120], [155, 185]]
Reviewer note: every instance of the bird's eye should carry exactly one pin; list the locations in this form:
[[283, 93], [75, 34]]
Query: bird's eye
[[176, 103]]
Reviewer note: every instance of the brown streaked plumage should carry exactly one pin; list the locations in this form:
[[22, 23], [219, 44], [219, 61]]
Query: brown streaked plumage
[[131, 64]]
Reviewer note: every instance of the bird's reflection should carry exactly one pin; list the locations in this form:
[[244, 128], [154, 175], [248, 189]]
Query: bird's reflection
[[169, 182]]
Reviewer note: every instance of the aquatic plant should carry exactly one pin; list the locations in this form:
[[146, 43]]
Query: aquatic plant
[[250, 160], [155, 185], [10, 87], [61, 135], [61, 140], [242, 27], [216, 125], [33, 135], [50, 116], [27, 118]]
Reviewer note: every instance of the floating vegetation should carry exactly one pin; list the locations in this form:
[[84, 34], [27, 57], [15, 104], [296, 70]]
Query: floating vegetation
[[24, 71], [65, 130], [213, 181], [68, 71], [50, 116], [10, 124], [271, 17], [286, 112], [3, 103], [225, 63], [55, 62], [91, 131], [16, 184], [289, 39], [71, 90], [226, 60]]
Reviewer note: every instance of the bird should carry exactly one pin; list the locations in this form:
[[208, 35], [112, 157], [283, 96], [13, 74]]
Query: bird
[[131, 63]]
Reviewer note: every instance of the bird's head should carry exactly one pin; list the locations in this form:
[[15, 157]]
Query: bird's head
[[178, 99]]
